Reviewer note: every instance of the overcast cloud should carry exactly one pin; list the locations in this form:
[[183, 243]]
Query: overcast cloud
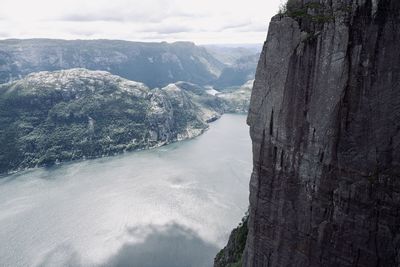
[[201, 21]]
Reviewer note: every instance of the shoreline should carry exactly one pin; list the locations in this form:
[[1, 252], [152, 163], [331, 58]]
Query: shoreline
[[160, 144]]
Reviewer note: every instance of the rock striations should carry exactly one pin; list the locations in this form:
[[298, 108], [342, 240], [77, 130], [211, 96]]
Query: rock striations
[[325, 124]]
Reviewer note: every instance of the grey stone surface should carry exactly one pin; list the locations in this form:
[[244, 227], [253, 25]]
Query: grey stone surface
[[325, 124]]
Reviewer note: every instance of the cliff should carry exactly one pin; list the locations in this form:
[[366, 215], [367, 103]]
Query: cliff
[[325, 125]]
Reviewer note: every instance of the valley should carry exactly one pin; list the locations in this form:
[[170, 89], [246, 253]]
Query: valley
[[53, 112]]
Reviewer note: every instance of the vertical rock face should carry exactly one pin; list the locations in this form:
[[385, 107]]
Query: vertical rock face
[[325, 125]]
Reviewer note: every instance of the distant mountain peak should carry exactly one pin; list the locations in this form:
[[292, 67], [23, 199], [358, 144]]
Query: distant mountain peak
[[155, 64]]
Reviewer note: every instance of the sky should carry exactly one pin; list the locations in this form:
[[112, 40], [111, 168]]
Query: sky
[[199, 21]]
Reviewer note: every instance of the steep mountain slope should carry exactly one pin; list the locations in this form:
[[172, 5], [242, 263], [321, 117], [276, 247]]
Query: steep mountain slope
[[238, 99], [324, 120], [243, 70], [229, 54], [155, 64], [49, 117]]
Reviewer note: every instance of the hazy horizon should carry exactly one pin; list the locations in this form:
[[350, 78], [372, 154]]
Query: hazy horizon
[[204, 23], [231, 45]]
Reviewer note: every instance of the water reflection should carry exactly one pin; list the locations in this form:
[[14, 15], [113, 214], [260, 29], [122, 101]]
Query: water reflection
[[172, 245], [171, 206], [169, 246]]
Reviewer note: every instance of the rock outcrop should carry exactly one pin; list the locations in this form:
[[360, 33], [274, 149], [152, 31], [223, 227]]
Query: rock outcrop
[[50, 117], [325, 124]]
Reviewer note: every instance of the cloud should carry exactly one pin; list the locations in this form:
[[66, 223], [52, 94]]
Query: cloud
[[126, 16], [4, 34], [128, 11], [90, 17], [172, 29], [235, 25], [206, 21]]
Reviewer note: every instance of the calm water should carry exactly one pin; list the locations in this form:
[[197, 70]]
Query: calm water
[[172, 206]]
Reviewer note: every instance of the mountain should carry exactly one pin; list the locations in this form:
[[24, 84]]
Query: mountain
[[237, 100], [324, 121], [155, 64], [49, 117], [229, 54], [241, 71], [240, 64]]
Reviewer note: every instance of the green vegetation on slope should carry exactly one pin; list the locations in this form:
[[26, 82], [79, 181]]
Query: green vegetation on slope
[[312, 11], [231, 255], [50, 117]]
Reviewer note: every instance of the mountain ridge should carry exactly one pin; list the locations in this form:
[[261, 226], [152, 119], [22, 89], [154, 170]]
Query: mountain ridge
[[50, 117], [155, 64]]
